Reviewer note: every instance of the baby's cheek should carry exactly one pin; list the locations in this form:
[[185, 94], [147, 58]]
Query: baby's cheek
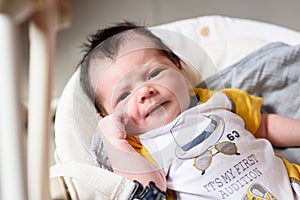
[[181, 96], [132, 111]]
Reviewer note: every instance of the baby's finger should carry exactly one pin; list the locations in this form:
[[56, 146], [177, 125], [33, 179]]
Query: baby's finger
[[121, 119], [111, 127]]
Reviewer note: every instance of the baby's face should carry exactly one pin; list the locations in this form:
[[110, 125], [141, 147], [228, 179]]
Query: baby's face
[[147, 86]]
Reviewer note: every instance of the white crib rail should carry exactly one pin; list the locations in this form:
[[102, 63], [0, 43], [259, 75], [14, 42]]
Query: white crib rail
[[46, 17], [41, 37], [13, 174]]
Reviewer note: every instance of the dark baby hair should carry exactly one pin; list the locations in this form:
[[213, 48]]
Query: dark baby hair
[[105, 43]]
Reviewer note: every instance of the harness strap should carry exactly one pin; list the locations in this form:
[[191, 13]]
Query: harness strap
[[109, 184]]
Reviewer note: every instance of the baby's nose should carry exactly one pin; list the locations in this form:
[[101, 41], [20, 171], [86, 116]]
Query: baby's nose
[[146, 92]]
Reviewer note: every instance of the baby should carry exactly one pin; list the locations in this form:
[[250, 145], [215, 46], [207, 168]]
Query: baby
[[195, 142]]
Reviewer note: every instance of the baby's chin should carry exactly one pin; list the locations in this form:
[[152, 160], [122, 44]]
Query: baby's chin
[[157, 118], [151, 123], [135, 129]]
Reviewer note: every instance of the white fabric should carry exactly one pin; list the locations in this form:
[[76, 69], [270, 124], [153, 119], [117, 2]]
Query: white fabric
[[75, 119], [223, 28], [198, 131], [225, 40], [101, 184]]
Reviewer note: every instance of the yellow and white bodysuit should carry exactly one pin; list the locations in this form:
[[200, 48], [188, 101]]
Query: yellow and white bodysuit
[[210, 152]]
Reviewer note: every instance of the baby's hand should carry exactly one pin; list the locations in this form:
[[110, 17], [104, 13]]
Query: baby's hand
[[113, 126]]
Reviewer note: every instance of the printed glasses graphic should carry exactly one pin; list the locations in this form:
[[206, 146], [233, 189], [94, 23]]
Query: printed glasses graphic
[[203, 161], [198, 138]]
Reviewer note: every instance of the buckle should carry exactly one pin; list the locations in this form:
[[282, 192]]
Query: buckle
[[150, 192]]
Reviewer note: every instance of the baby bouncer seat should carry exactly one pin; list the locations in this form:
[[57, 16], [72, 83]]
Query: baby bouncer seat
[[207, 44]]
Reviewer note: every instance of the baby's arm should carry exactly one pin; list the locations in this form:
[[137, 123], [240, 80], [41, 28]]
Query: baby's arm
[[279, 130], [123, 157]]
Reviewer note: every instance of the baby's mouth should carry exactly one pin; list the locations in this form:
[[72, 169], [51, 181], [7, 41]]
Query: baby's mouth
[[155, 107]]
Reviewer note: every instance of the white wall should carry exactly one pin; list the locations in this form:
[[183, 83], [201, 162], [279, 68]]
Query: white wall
[[89, 15]]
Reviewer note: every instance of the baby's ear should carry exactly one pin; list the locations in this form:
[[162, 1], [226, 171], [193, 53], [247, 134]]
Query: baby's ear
[[179, 65]]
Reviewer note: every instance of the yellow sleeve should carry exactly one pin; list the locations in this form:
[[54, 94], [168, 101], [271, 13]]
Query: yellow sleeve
[[140, 148], [248, 107], [292, 169]]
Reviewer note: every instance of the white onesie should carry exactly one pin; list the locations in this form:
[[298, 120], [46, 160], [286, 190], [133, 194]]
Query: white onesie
[[206, 153]]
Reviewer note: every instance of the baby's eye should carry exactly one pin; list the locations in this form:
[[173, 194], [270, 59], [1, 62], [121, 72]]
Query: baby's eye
[[155, 73], [123, 96]]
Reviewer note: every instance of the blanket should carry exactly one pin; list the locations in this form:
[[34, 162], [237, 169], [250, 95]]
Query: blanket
[[273, 73]]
